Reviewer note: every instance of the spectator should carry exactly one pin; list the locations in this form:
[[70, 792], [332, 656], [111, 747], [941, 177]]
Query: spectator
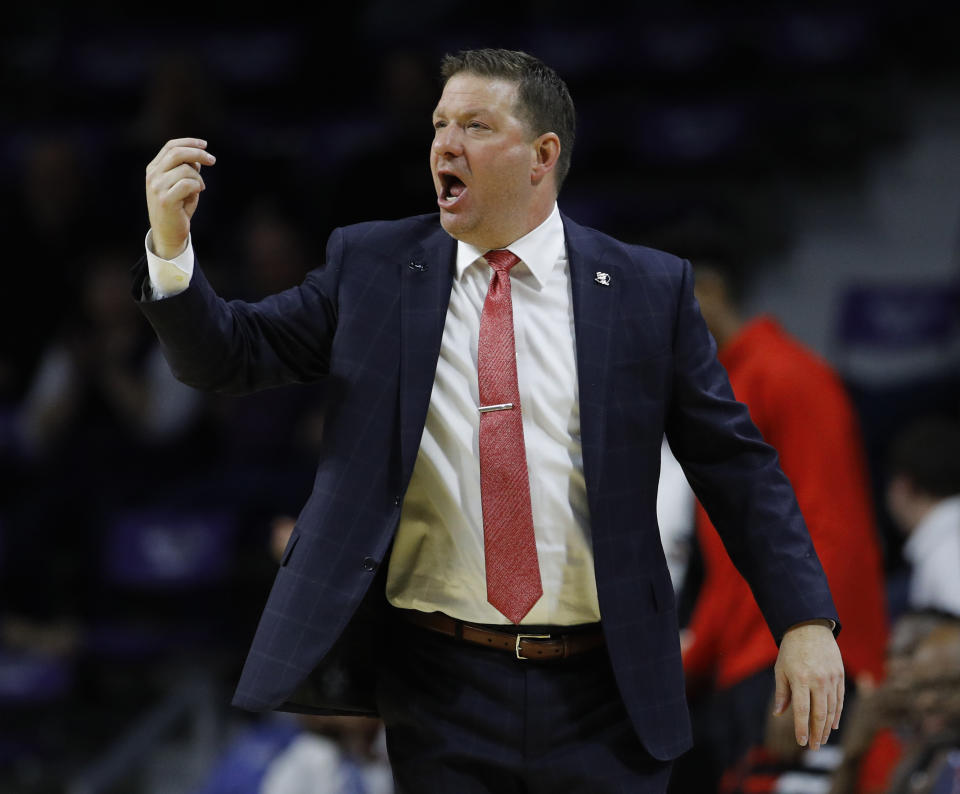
[[918, 700], [304, 755], [870, 748], [931, 723], [802, 410], [333, 755], [923, 496], [104, 363], [101, 395]]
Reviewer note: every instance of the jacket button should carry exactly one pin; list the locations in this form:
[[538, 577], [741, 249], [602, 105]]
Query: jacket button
[[369, 564], [397, 500]]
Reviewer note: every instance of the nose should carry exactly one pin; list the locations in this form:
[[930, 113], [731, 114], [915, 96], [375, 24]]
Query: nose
[[447, 141]]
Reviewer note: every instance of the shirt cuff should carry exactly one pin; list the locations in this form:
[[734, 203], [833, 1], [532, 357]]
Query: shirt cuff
[[169, 277], [828, 623]]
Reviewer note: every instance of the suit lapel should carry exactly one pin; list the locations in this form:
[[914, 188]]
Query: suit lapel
[[426, 277], [595, 287]]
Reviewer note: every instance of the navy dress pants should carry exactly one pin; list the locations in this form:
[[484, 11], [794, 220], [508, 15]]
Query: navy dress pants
[[463, 719]]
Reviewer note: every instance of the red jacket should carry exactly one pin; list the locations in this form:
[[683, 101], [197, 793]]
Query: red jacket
[[802, 410]]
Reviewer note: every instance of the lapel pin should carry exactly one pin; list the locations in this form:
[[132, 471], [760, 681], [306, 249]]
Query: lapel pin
[[603, 279], [418, 266]]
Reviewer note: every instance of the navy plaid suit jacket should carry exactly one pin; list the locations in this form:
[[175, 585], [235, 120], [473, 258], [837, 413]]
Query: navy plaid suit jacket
[[370, 321]]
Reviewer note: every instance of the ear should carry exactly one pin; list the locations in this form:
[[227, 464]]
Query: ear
[[546, 152]]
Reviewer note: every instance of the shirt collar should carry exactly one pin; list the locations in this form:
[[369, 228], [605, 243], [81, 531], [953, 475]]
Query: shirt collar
[[539, 249]]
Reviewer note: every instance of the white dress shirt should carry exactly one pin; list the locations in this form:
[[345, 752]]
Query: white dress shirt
[[437, 562], [933, 550]]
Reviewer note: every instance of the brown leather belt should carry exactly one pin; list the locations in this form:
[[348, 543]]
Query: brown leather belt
[[540, 647]]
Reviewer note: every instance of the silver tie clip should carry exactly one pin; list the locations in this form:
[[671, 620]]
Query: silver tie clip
[[500, 407]]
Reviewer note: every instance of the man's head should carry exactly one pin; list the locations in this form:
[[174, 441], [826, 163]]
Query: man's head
[[503, 134], [923, 468]]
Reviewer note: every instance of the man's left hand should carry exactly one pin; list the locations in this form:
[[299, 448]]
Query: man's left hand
[[809, 674]]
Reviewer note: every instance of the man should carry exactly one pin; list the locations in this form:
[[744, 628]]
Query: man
[[923, 496], [491, 534], [802, 409]]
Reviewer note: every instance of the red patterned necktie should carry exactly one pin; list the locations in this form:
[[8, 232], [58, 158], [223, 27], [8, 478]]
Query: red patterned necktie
[[510, 548]]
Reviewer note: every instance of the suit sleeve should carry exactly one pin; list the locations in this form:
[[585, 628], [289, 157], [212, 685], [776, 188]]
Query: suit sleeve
[[238, 347], [829, 475], [737, 478]]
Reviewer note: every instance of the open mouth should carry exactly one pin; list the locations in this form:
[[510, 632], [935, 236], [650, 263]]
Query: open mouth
[[452, 190]]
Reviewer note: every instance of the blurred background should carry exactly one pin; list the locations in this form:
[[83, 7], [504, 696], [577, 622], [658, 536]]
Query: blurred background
[[813, 148]]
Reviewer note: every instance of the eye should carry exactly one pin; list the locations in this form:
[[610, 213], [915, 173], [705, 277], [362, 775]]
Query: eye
[[439, 125], [476, 125]]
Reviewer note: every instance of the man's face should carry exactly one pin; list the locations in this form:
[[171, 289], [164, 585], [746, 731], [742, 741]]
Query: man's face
[[482, 161]]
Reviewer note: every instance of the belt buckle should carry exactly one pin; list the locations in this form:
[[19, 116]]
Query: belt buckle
[[528, 637]]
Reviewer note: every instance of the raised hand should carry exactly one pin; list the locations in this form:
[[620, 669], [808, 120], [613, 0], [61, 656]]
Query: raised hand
[[174, 185]]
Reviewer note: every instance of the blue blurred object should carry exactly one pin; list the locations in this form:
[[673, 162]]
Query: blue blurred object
[[948, 779], [242, 768], [32, 678], [163, 550], [898, 316], [898, 333]]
